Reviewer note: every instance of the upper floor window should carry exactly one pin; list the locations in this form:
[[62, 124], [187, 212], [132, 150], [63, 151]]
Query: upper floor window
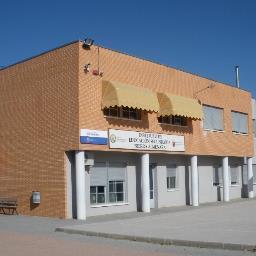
[[239, 122], [173, 120], [213, 118], [123, 112]]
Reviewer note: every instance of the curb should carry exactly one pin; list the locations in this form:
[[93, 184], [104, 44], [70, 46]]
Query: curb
[[162, 241]]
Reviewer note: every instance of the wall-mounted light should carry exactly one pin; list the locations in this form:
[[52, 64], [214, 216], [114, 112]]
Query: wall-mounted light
[[36, 197], [87, 43]]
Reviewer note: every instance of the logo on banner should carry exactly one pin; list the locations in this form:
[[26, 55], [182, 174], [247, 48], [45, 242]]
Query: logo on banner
[[97, 137]]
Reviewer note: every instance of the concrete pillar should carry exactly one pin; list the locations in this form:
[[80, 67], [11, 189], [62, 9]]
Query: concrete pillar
[[194, 181], [80, 186], [145, 183], [250, 177], [225, 170]]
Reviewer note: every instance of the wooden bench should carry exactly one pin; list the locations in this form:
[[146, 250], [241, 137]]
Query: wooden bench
[[8, 203]]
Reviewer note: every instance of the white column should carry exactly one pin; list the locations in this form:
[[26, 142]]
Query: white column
[[194, 181], [80, 186], [145, 183], [250, 177], [225, 170]]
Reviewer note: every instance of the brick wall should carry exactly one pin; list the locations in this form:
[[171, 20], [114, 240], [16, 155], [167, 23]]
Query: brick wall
[[38, 123], [159, 78], [46, 100]]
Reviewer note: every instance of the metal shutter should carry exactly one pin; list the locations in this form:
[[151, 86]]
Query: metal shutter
[[98, 174], [116, 171]]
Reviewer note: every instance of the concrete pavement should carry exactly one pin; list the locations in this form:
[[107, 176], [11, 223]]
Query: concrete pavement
[[222, 225], [25, 235]]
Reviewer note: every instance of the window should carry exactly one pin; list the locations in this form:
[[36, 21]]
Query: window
[[123, 112], [239, 122], [108, 183], [217, 176], [116, 191], [254, 173], [173, 120], [234, 175], [98, 194], [213, 118], [171, 177], [234, 178]]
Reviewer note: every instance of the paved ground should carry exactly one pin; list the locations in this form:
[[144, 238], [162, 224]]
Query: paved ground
[[24, 236], [232, 225]]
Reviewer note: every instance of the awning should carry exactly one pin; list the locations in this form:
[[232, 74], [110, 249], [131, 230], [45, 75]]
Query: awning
[[178, 105], [119, 94]]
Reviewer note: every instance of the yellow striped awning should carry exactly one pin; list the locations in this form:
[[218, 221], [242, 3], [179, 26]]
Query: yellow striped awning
[[178, 105], [119, 94]]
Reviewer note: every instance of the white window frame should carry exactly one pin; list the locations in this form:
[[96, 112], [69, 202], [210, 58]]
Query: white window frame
[[176, 177], [97, 193], [115, 192], [106, 187], [212, 129], [239, 132]]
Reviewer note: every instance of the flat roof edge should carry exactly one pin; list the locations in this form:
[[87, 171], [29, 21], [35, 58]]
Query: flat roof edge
[[141, 58], [172, 67], [37, 55]]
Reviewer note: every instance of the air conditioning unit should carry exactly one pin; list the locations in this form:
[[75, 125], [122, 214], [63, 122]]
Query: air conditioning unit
[[88, 159]]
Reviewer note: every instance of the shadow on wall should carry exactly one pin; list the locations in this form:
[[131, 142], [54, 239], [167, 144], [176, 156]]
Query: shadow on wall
[[218, 193], [187, 185], [244, 189], [138, 186], [32, 205]]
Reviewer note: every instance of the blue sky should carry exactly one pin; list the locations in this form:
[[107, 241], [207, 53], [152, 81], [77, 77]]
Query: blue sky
[[204, 37]]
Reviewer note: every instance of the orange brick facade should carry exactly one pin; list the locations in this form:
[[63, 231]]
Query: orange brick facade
[[131, 70], [38, 123], [45, 101]]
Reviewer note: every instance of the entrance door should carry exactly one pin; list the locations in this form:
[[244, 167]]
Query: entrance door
[[151, 185]]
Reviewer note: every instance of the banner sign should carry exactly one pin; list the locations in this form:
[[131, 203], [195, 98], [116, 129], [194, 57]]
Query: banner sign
[[93, 137], [145, 141]]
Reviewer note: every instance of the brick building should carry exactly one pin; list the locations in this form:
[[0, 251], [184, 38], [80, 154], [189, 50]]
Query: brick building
[[97, 132]]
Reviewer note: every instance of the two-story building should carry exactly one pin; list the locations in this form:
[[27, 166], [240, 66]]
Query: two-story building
[[95, 131]]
